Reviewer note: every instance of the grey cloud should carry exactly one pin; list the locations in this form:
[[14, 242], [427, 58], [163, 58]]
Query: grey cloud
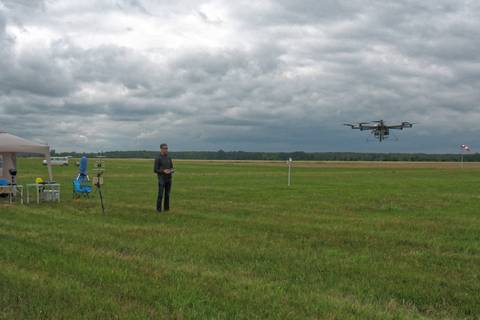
[[24, 4], [3, 24], [112, 64], [302, 69], [209, 20], [291, 13], [131, 4]]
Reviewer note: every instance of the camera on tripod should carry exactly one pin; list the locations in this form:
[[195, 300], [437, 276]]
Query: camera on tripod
[[13, 174], [99, 169]]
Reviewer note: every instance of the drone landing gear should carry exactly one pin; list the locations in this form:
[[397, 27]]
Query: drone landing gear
[[372, 138], [395, 137]]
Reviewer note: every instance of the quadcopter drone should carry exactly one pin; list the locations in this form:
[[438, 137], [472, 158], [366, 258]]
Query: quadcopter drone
[[379, 129]]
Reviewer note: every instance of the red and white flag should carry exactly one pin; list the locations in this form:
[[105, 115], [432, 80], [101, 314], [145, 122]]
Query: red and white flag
[[465, 147]]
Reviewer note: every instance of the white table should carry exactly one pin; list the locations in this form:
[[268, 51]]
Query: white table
[[48, 191], [12, 191]]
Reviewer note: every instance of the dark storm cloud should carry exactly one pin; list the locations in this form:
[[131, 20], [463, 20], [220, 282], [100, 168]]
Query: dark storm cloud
[[273, 75]]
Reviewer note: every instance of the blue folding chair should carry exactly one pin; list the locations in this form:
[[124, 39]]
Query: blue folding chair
[[81, 184], [81, 187], [4, 183]]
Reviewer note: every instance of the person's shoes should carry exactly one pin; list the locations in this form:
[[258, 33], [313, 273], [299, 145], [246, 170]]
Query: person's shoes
[[159, 211]]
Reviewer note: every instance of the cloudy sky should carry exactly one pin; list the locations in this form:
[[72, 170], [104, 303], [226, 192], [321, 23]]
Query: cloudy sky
[[240, 75]]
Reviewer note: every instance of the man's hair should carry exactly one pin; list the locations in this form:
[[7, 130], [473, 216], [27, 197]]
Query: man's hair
[[163, 145]]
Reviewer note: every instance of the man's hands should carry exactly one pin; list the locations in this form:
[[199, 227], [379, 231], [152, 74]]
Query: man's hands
[[168, 171]]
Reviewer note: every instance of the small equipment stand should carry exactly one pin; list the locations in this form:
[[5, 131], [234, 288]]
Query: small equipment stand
[[99, 170]]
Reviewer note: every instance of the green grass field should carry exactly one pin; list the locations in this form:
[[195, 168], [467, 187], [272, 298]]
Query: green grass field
[[346, 241]]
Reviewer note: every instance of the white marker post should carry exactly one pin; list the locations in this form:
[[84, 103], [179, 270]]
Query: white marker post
[[289, 163], [463, 150]]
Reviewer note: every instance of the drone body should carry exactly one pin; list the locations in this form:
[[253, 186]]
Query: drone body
[[379, 129]]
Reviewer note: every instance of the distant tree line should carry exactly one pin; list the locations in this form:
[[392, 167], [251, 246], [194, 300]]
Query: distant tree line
[[273, 156]]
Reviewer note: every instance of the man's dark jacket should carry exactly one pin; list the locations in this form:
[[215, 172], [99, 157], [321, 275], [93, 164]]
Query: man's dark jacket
[[162, 163]]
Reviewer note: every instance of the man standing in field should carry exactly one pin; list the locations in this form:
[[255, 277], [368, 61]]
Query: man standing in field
[[164, 169]]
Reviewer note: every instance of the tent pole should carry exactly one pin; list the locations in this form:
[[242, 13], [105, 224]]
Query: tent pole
[[49, 165]]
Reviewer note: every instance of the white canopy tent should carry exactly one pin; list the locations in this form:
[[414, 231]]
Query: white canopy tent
[[10, 145]]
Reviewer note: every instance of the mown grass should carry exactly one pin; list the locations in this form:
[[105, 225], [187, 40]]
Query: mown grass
[[341, 243]]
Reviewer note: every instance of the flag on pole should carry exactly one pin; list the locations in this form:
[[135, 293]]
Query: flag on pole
[[465, 147], [289, 163]]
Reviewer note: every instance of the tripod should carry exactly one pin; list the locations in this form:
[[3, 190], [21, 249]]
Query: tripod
[[98, 183], [98, 180]]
